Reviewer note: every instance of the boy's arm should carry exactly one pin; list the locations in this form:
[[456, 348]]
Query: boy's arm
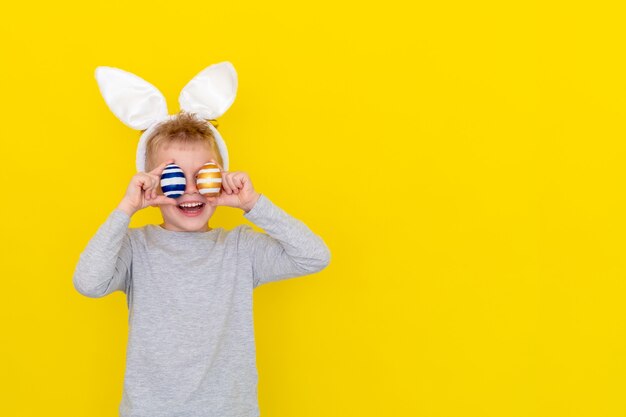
[[289, 249], [104, 265]]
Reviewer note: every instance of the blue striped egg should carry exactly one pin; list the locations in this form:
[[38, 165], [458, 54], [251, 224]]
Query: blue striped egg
[[173, 181]]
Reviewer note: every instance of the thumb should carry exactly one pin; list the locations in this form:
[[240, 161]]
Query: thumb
[[214, 201], [162, 200]]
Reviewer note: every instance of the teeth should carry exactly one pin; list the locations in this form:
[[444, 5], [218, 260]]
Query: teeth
[[191, 204]]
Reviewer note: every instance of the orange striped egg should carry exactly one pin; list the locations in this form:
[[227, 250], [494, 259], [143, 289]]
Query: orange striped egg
[[209, 180]]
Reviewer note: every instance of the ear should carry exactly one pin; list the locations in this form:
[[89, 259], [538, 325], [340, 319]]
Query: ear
[[136, 102], [211, 92]]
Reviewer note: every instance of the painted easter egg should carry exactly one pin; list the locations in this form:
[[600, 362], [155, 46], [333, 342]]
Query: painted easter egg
[[173, 181], [209, 180]]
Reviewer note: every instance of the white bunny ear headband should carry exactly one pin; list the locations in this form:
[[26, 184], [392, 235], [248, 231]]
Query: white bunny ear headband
[[140, 105]]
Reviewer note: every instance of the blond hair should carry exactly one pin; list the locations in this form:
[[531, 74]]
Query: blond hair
[[184, 129]]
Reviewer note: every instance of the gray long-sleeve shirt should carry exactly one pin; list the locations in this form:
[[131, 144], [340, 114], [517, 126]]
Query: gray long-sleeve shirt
[[191, 349]]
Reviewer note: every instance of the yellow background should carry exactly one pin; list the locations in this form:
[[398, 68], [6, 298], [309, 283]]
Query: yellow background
[[462, 160]]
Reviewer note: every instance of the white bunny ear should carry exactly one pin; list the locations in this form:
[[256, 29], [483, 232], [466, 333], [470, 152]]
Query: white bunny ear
[[136, 102], [211, 92]]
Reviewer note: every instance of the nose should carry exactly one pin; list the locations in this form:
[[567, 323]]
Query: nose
[[190, 186]]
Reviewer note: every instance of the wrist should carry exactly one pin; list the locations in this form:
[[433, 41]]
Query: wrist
[[126, 209], [252, 203]]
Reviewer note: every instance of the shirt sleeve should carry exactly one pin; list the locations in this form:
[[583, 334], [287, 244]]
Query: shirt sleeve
[[105, 264], [288, 249]]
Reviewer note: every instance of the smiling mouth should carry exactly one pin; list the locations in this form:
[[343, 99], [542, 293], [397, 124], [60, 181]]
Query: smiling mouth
[[191, 211]]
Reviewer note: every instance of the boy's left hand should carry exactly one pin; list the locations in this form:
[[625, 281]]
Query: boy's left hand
[[237, 191]]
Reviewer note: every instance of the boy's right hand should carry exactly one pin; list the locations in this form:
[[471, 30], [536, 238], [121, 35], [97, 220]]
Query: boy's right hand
[[142, 191]]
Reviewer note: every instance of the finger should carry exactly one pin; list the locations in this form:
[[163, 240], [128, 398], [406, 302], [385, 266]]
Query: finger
[[157, 183], [150, 182], [159, 169], [143, 180], [146, 185], [239, 182], [157, 186], [225, 184], [231, 185], [162, 200], [234, 184], [214, 201]]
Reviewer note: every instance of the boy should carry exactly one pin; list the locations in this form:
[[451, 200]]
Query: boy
[[191, 350]]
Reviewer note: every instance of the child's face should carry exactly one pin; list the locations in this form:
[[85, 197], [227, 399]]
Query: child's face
[[190, 159]]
